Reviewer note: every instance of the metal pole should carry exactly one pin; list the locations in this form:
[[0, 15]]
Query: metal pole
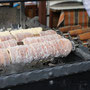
[[22, 15]]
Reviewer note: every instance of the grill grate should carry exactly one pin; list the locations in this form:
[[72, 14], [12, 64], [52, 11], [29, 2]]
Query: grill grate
[[76, 40]]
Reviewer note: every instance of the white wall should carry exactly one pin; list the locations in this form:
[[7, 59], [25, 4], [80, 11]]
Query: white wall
[[55, 2]]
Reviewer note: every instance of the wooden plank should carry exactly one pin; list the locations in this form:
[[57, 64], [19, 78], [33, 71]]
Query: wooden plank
[[80, 17], [72, 18], [85, 19], [66, 20], [31, 10]]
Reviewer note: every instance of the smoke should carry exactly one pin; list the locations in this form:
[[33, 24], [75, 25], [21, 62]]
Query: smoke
[[87, 6]]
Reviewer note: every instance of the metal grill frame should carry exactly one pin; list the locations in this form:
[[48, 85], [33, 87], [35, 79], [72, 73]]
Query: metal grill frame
[[48, 73]]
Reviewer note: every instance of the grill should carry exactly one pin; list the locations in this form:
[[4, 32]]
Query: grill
[[77, 61], [82, 46], [73, 36]]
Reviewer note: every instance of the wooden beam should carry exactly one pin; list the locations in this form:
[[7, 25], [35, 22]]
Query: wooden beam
[[51, 19], [42, 12]]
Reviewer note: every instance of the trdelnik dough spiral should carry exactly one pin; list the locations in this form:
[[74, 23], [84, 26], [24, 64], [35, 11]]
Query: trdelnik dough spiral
[[41, 39], [19, 35], [36, 51], [8, 43], [5, 36]]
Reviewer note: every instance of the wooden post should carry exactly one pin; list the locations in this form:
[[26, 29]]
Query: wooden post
[[42, 12], [51, 19]]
